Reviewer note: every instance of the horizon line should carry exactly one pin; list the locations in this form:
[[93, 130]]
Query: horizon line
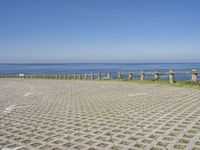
[[101, 63]]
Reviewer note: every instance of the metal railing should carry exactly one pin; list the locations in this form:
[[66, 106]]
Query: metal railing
[[107, 76]]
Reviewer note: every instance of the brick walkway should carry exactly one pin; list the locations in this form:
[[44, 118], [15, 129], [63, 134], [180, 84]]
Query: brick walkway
[[97, 115]]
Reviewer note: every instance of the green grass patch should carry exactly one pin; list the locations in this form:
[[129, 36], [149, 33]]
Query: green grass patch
[[186, 84]]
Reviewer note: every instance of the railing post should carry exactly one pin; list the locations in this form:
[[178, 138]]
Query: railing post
[[108, 76], [119, 75], [194, 75], [142, 75], [156, 75], [99, 76], [92, 76], [130, 76], [79, 76], [85, 76], [171, 76], [74, 76]]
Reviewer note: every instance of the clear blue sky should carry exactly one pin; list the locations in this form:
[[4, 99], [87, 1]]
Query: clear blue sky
[[99, 31]]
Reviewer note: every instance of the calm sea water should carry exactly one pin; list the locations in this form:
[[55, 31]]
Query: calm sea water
[[72, 68]]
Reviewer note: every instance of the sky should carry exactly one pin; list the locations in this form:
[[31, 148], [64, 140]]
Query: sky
[[88, 31]]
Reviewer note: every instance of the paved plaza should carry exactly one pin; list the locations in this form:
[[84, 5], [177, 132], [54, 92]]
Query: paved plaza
[[47, 114]]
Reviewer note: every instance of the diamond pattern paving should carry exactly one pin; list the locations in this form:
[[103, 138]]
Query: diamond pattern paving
[[97, 115]]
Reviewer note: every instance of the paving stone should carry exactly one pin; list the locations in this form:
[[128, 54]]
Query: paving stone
[[97, 115]]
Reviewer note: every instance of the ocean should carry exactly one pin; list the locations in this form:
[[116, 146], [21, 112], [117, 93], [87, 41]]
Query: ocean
[[81, 68]]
